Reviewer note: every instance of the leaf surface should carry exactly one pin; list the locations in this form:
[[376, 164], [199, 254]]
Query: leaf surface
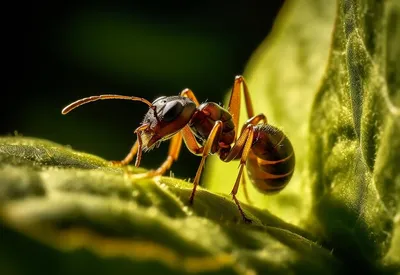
[[355, 135], [75, 208]]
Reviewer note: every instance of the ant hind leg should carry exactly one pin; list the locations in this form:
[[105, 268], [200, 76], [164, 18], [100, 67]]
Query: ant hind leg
[[244, 186], [244, 142]]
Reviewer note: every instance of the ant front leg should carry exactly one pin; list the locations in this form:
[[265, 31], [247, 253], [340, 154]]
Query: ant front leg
[[173, 154], [128, 159], [189, 94], [136, 149], [213, 136]]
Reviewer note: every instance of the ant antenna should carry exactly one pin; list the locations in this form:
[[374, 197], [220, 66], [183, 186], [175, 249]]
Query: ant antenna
[[85, 100]]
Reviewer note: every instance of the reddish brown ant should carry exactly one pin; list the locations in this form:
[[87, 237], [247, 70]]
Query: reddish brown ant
[[211, 129]]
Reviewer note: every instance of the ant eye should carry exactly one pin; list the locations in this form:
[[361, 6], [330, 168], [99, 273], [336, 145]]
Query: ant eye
[[171, 111]]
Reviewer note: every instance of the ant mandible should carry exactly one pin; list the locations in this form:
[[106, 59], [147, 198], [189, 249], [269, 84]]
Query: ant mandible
[[211, 129]]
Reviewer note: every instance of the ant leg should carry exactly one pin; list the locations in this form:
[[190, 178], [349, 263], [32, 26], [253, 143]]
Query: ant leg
[[214, 134], [173, 154], [241, 142], [191, 142], [189, 93], [237, 148], [254, 121], [175, 148], [251, 121], [246, 149], [235, 101], [128, 157], [244, 185], [136, 149]]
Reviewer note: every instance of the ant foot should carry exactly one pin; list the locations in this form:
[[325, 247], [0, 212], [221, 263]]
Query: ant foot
[[247, 220], [191, 200]]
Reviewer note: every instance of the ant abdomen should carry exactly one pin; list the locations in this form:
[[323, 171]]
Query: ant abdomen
[[271, 161]]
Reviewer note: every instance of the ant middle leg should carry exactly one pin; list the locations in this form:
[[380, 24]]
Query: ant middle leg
[[213, 136], [189, 94], [239, 86], [252, 121]]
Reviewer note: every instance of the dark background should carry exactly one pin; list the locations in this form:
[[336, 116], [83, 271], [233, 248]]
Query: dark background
[[54, 54]]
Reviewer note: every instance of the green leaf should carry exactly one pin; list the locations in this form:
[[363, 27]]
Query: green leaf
[[74, 212], [355, 135]]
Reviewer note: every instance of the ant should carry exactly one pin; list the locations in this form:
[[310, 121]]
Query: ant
[[211, 129]]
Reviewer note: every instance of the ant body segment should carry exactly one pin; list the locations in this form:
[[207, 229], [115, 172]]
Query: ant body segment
[[211, 129]]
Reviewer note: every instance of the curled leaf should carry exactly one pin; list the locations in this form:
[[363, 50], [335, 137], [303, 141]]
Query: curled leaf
[[354, 135]]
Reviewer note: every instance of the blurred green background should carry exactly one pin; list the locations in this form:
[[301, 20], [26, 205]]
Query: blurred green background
[[55, 54]]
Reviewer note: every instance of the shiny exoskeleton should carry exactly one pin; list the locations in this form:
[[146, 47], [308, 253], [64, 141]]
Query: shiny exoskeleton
[[206, 129], [270, 162]]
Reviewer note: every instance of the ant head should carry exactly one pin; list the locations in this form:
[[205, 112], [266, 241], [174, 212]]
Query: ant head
[[166, 117]]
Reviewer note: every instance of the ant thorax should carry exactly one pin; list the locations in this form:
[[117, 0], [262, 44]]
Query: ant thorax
[[204, 119]]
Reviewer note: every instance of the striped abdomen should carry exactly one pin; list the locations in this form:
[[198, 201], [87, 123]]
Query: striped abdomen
[[271, 161]]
